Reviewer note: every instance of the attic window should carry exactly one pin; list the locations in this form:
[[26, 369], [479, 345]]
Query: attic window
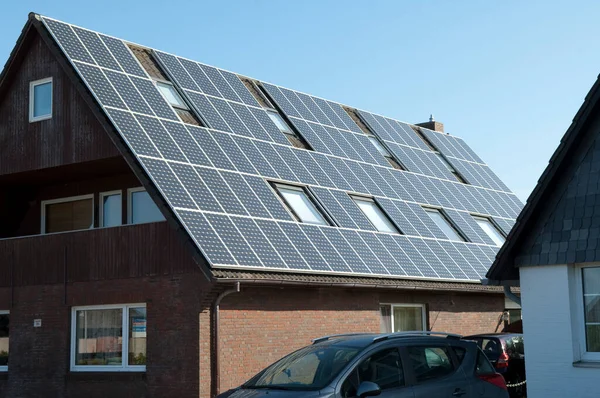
[[300, 204], [444, 224], [375, 214], [377, 143], [275, 114], [40, 100], [450, 168], [171, 95], [490, 230]]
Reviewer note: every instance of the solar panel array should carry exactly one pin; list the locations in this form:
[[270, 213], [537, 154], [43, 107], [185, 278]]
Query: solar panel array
[[216, 179]]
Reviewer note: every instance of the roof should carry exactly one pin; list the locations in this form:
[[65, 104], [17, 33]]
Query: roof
[[214, 180], [545, 197]]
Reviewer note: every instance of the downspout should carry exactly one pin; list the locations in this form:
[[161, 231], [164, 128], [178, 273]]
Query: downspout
[[215, 382], [511, 296]]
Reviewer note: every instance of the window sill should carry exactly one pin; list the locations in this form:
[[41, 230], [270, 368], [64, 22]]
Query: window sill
[[106, 376], [586, 364]]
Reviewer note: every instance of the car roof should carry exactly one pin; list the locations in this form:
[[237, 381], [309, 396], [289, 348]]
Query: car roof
[[366, 339], [495, 335]]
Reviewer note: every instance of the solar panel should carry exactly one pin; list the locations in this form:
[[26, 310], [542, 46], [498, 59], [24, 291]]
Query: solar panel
[[215, 180]]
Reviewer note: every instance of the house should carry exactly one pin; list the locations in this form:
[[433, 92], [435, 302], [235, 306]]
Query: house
[[170, 228], [552, 253]]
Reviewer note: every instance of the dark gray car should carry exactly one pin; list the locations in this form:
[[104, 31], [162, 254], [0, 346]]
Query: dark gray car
[[402, 365]]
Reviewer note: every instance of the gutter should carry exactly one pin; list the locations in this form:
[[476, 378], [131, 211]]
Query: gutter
[[215, 382], [511, 296]]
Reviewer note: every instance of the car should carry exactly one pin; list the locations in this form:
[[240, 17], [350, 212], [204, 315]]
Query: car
[[402, 365], [505, 352]]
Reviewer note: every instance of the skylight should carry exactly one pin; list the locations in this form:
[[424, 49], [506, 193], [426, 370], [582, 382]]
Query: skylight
[[490, 230], [300, 204], [443, 223], [375, 214]]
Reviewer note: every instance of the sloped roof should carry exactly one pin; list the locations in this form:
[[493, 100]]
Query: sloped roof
[[215, 180], [551, 189]]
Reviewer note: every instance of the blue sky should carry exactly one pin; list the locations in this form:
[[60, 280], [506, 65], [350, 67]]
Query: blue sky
[[506, 76]]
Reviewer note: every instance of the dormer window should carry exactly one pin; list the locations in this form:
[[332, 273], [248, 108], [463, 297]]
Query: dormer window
[[40, 100]]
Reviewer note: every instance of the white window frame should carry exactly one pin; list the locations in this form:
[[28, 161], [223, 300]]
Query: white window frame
[[288, 130], [320, 211], [124, 346], [384, 215], [415, 305], [6, 312], [579, 319], [462, 237], [64, 200], [492, 224], [101, 197], [32, 86], [175, 93]]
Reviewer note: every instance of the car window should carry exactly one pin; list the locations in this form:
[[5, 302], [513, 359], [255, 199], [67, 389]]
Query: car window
[[483, 366], [491, 346], [383, 368], [514, 346], [430, 363], [460, 354]]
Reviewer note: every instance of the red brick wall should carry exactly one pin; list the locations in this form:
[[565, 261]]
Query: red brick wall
[[260, 325], [39, 357]]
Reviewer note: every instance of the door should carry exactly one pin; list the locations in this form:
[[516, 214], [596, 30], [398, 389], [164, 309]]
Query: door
[[433, 372], [383, 368]]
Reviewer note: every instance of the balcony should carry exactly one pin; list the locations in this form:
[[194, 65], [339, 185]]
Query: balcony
[[103, 253]]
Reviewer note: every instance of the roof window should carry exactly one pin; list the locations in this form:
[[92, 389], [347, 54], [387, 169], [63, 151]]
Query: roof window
[[450, 168], [490, 230], [375, 214], [444, 224], [301, 204]]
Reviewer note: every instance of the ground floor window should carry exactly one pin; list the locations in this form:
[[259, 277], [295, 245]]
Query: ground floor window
[[590, 286], [4, 318], [402, 317], [109, 338]]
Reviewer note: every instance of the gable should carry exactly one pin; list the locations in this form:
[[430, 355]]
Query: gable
[[217, 180], [72, 135], [567, 228]]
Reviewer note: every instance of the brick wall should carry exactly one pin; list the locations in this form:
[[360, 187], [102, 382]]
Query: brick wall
[[39, 357], [260, 325]]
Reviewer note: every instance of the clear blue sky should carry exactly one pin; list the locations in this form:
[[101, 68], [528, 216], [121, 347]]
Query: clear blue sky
[[506, 76]]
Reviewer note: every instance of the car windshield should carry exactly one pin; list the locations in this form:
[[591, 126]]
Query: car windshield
[[310, 368]]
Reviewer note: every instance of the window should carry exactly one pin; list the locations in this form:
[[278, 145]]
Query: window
[[590, 283], [171, 95], [111, 214], [375, 215], [141, 207], [309, 368], [68, 214], [490, 230], [430, 363], [442, 158], [383, 368], [40, 100], [386, 154], [109, 338], [300, 204], [402, 318], [483, 365], [280, 123], [442, 222], [4, 318]]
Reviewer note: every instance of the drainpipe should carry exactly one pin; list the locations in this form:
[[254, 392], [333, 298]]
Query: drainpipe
[[215, 382], [511, 296]]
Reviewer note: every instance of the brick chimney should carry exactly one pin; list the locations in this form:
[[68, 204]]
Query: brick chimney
[[432, 125]]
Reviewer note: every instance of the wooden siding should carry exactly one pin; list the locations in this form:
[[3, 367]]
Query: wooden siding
[[131, 251], [72, 135]]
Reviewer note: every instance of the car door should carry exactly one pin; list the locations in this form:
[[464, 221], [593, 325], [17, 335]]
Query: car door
[[383, 367], [432, 370]]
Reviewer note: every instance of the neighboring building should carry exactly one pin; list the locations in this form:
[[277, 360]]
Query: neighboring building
[[553, 253], [125, 221]]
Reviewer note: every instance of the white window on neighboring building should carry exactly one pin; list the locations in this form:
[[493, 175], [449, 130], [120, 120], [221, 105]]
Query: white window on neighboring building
[[141, 208], [300, 204], [68, 214], [108, 338], [490, 230], [375, 215], [40, 100], [442, 222], [111, 209], [403, 318], [589, 304], [4, 324]]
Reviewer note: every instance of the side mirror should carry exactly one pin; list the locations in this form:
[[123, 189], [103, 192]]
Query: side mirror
[[368, 389]]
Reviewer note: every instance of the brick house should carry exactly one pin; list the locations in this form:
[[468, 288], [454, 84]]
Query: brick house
[[168, 228]]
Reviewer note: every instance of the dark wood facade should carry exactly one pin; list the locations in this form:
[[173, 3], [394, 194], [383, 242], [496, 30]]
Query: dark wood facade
[[73, 135]]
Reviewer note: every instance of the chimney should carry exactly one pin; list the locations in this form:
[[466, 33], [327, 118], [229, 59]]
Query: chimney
[[432, 125]]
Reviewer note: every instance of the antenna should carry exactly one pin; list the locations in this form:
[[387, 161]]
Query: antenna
[[431, 119]]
